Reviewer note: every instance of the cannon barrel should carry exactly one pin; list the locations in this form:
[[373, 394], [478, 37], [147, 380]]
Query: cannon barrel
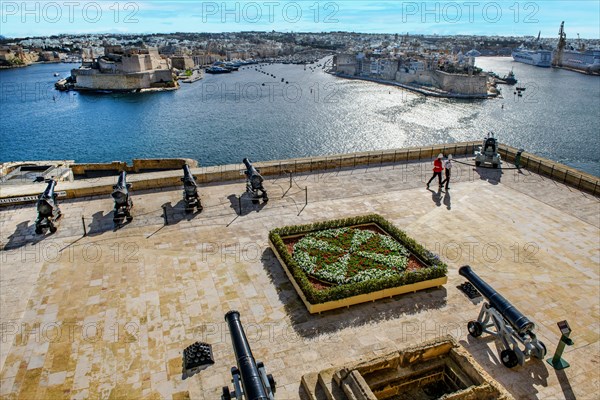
[[253, 175], [122, 182], [250, 170], [49, 192], [121, 190], [249, 373], [187, 174], [518, 321], [188, 179], [46, 202]]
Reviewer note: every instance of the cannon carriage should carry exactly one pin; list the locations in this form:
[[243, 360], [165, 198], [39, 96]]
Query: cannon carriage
[[191, 197], [254, 183], [488, 152], [48, 210], [122, 199], [514, 330]]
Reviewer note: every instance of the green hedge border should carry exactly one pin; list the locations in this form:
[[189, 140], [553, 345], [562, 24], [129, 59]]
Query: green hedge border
[[437, 268]]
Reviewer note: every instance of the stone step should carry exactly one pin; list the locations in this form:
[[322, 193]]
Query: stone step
[[311, 386], [330, 388]]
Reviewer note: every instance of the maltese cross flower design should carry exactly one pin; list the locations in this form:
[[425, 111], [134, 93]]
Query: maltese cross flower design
[[346, 255]]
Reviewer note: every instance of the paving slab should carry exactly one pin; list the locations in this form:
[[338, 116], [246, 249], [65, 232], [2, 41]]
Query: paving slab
[[109, 314]]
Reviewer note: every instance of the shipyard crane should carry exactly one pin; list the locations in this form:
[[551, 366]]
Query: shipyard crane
[[580, 44], [562, 42]]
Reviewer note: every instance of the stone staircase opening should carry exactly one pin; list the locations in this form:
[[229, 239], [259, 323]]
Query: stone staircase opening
[[432, 370]]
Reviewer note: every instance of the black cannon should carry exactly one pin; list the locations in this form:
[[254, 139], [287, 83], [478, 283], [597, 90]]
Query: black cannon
[[249, 378], [254, 182], [123, 203], [48, 210], [511, 326], [190, 191]]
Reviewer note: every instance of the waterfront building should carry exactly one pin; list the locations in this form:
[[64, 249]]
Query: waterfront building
[[182, 62], [125, 70], [455, 75]]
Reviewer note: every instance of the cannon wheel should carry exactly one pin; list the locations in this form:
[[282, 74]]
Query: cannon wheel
[[542, 354], [475, 329], [38, 230], [52, 229], [272, 382], [509, 358], [226, 395], [477, 163]]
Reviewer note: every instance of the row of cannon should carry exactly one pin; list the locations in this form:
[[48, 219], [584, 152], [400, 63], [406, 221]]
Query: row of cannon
[[49, 212]]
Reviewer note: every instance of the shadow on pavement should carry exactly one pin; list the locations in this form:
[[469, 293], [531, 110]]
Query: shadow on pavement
[[246, 203], [493, 176], [23, 235], [531, 375], [101, 223]]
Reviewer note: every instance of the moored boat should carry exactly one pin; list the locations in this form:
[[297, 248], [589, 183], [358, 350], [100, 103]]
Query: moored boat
[[539, 58]]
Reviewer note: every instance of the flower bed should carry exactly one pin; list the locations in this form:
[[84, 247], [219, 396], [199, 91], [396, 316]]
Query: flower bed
[[347, 255], [348, 259]]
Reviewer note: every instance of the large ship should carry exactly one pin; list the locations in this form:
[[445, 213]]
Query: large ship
[[539, 58], [582, 59], [588, 60]]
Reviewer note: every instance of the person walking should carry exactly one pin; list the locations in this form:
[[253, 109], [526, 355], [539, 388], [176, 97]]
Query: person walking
[[437, 170], [448, 169]]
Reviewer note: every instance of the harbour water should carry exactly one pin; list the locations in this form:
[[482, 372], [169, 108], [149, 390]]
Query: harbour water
[[224, 118]]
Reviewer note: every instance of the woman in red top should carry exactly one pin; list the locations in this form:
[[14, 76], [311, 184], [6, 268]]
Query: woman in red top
[[437, 170]]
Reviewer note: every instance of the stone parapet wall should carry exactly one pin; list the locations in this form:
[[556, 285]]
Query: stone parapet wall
[[139, 165], [152, 180], [553, 170]]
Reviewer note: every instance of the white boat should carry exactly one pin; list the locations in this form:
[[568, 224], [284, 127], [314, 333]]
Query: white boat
[[539, 58]]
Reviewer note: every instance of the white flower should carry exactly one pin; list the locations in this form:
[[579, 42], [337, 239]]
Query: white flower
[[360, 237]]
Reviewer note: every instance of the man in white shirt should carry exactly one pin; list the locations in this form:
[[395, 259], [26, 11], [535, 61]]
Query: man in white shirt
[[447, 168]]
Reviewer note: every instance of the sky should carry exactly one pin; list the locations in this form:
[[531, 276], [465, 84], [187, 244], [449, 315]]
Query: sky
[[504, 18]]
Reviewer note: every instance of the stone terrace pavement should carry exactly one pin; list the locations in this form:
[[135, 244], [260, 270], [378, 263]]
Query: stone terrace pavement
[[108, 315]]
